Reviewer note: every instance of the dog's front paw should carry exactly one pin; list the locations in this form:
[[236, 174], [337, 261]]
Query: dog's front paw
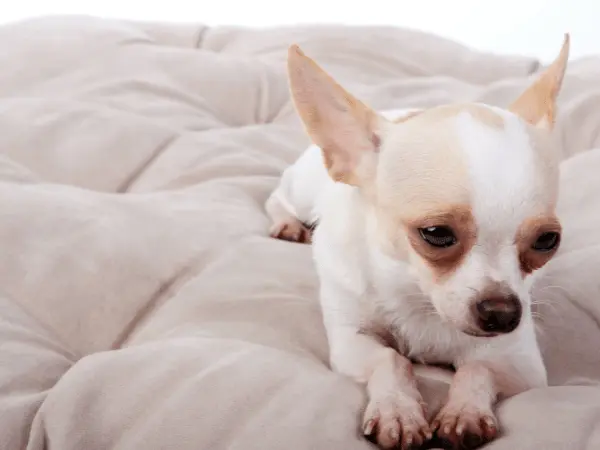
[[396, 420], [291, 230], [465, 426]]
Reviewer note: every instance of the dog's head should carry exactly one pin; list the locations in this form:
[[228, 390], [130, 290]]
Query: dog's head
[[465, 193]]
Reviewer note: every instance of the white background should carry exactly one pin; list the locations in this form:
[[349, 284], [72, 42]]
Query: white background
[[533, 27]]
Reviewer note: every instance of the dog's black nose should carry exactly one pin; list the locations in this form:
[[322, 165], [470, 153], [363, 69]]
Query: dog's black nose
[[498, 314]]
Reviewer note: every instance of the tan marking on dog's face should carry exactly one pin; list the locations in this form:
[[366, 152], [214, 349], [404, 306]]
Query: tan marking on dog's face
[[422, 176], [426, 145], [530, 259], [480, 113], [443, 261]]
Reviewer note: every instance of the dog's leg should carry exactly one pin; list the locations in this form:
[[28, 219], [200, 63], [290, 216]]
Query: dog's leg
[[395, 410], [467, 420], [285, 225], [291, 205]]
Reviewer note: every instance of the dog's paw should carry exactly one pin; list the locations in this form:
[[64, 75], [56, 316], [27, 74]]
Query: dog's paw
[[396, 421], [465, 426], [292, 230]]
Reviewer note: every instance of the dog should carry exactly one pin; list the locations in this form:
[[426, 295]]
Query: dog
[[429, 226]]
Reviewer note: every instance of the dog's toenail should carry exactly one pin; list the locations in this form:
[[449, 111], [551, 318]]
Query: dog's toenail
[[369, 427]]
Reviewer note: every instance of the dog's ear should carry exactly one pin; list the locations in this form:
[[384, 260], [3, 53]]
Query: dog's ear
[[537, 105], [342, 126]]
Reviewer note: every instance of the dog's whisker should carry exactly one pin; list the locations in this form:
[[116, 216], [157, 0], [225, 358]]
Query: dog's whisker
[[554, 287]]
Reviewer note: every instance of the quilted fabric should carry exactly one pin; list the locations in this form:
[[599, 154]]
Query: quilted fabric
[[143, 305]]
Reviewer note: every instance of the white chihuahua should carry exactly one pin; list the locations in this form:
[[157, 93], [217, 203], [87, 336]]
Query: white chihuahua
[[429, 225]]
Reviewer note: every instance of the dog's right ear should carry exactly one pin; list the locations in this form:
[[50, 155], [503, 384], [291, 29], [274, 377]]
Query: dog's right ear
[[342, 126]]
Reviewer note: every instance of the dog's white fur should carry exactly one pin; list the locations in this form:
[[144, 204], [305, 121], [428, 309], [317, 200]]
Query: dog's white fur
[[382, 303]]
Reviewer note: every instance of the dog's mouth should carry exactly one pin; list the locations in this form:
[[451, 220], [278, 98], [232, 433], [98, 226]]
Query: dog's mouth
[[479, 333]]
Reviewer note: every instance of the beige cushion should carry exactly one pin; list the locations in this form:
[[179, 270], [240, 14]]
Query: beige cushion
[[144, 307]]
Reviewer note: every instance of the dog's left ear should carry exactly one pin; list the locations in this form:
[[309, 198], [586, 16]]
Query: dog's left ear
[[537, 105]]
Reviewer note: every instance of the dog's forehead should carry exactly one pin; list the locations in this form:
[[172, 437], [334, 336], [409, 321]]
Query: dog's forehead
[[510, 171], [472, 155]]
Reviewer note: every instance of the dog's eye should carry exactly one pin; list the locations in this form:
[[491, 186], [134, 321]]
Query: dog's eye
[[438, 236], [546, 242]]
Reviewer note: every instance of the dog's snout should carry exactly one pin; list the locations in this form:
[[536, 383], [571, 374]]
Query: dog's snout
[[498, 314]]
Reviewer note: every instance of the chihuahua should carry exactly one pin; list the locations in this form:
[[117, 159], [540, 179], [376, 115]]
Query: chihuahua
[[430, 224]]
